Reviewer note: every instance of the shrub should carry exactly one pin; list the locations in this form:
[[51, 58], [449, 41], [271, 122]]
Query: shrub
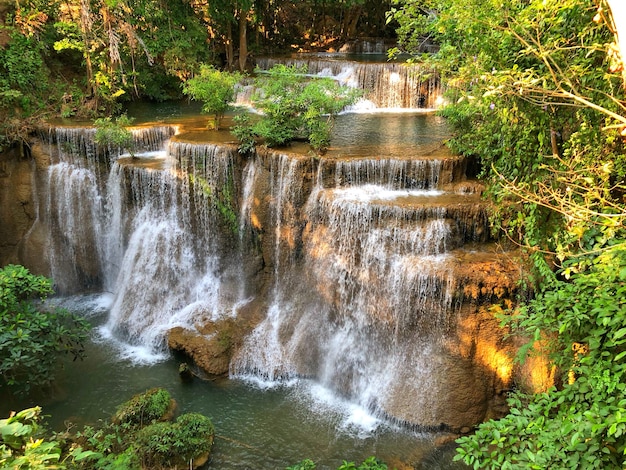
[[31, 339], [370, 463], [293, 106], [216, 90], [163, 445], [22, 446], [114, 133]]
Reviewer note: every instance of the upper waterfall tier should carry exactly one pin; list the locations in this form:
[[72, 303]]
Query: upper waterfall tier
[[386, 85]]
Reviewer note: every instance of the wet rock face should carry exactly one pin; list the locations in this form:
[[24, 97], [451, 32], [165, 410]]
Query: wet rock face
[[17, 204], [209, 352]]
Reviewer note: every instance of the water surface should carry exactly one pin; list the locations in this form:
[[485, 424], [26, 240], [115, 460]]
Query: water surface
[[258, 425]]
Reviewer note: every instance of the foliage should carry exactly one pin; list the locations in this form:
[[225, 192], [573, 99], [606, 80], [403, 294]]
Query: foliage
[[245, 133], [22, 447], [533, 96], [24, 85], [583, 423], [221, 198], [19, 449], [31, 339], [165, 445], [128, 442], [216, 90], [144, 408], [114, 133], [370, 463], [294, 106]]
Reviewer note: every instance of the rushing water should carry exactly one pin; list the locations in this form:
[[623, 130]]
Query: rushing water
[[259, 425]]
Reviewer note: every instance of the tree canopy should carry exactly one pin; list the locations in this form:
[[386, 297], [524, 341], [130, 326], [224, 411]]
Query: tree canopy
[[536, 96], [85, 57]]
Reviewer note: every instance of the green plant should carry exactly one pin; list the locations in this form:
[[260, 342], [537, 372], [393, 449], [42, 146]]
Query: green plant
[[222, 199], [536, 101], [293, 106], [31, 339], [245, 133], [165, 445], [306, 464], [144, 408], [215, 89], [22, 445], [19, 448], [114, 133]]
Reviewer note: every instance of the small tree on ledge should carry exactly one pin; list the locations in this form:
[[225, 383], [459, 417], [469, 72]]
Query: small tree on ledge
[[293, 106], [215, 89]]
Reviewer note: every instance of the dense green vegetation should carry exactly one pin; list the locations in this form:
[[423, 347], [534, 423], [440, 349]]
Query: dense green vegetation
[[293, 106], [33, 339], [215, 89], [23, 446], [87, 58], [140, 435], [371, 463], [113, 133], [535, 97]]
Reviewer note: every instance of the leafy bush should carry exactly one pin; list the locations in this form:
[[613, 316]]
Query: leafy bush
[[144, 408], [114, 133], [17, 448], [215, 89], [139, 436], [537, 102], [32, 339], [165, 445], [23, 447], [293, 106]]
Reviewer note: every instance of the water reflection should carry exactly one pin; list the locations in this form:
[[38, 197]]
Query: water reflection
[[400, 135]]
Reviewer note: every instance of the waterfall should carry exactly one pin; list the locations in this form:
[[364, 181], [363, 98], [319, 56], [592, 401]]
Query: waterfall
[[386, 85], [149, 230], [332, 317], [390, 173], [349, 265]]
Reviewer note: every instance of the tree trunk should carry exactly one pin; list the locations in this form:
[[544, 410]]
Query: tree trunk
[[243, 40], [85, 28], [351, 20], [228, 44]]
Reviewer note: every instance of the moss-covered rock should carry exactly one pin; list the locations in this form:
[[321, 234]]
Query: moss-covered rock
[[185, 443], [145, 408]]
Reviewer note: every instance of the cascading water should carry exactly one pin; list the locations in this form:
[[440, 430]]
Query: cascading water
[[147, 232], [347, 264], [370, 280], [386, 85], [357, 254]]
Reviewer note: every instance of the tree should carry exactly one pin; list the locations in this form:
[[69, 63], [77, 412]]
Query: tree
[[535, 98], [31, 338], [294, 107], [215, 89]]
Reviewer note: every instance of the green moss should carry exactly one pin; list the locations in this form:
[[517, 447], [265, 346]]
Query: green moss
[[165, 445], [222, 199], [144, 408]]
